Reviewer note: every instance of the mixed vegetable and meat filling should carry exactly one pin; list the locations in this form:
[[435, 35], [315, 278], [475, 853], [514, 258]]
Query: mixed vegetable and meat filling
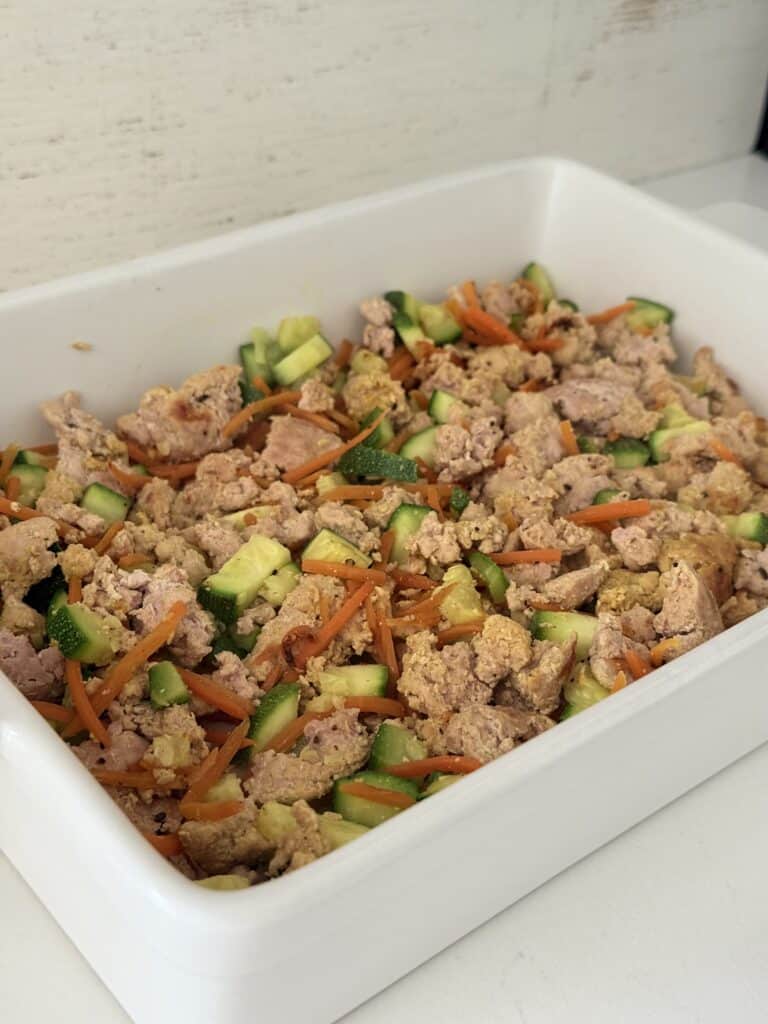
[[280, 604]]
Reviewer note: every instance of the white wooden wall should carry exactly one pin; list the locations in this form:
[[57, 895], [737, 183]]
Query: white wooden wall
[[131, 125]]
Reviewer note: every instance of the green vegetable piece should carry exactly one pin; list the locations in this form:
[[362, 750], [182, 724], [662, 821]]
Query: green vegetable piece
[[394, 744], [559, 627], [586, 445], [278, 708], [368, 812], [606, 495], [354, 680], [582, 691], [748, 526], [463, 603], [228, 592], [104, 502], [31, 480], [436, 782], [224, 883], [537, 275], [374, 463], [458, 500], [295, 330], [422, 445], [337, 831], [404, 302], [404, 523], [383, 433], [648, 314], [329, 546], [438, 324], [166, 686], [80, 634], [278, 586], [490, 575], [302, 360], [628, 452]]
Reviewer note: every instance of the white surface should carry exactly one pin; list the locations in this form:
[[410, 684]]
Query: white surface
[[128, 127], [573, 973]]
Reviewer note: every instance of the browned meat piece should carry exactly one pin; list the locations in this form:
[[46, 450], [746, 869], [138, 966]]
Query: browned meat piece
[[316, 396], [434, 541], [524, 407], [689, 612], [560, 533], [725, 490], [286, 778], [601, 406], [126, 750], [723, 392], [340, 743], [215, 847], [637, 624], [364, 392], [160, 815], [379, 512], [752, 572], [194, 634], [740, 606], [541, 682], [504, 646], [711, 555], [86, 446], [478, 528], [302, 844], [292, 442], [578, 478], [623, 590], [488, 732], [437, 682], [38, 675], [609, 647], [19, 618], [572, 589], [216, 538], [232, 673], [461, 453], [637, 549], [154, 503], [515, 490], [223, 483], [539, 445], [573, 329], [24, 555], [348, 522]]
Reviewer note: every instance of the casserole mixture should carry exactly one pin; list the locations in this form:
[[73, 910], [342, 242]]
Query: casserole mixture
[[280, 604]]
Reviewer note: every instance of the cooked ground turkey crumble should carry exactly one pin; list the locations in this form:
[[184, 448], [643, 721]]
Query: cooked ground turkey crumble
[[269, 610]]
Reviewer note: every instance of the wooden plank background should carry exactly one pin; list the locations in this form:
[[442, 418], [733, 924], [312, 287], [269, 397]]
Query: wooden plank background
[[128, 126]]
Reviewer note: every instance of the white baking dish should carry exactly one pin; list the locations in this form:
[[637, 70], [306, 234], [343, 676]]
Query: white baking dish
[[312, 945]]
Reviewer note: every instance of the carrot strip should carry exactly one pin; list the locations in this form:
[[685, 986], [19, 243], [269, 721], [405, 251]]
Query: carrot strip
[[103, 544], [637, 665], [553, 555], [433, 500], [131, 481], [412, 580], [662, 649], [52, 712], [132, 780], [386, 543], [619, 682], [343, 571], [138, 454], [344, 353], [216, 734], [447, 636], [326, 633], [426, 471], [503, 452], [123, 670], [311, 417], [17, 511], [532, 385], [247, 413], [74, 590], [388, 797], [261, 384], [173, 470], [326, 458], [722, 451], [568, 437], [376, 706], [215, 694], [611, 510], [611, 313], [217, 766], [43, 449], [292, 733], [489, 327], [400, 367], [543, 343], [134, 561], [12, 487], [398, 440], [198, 811], [73, 674], [509, 521], [419, 398], [428, 604], [469, 293], [343, 420], [456, 309], [448, 764], [169, 845], [6, 462]]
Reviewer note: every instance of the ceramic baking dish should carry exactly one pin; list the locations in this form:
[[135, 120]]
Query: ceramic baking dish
[[310, 946]]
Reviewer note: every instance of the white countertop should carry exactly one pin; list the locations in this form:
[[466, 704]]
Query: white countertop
[[666, 925]]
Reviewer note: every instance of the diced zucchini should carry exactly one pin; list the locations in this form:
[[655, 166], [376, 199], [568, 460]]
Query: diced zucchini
[[463, 603], [58, 600], [404, 523], [31, 482], [458, 500], [409, 331], [238, 519], [224, 883], [295, 330], [404, 302], [748, 526], [253, 356], [278, 586], [606, 495], [80, 634], [240, 644], [337, 831], [559, 627], [302, 360], [374, 463], [25, 457], [422, 446], [675, 415], [329, 482], [440, 405], [438, 324], [517, 321], [228, 592], [328, 546], [537, 275], [582, 691], [648, 314], [394, 744], [569, 304], [365, 361], [166, 686], [490, 575], [659, 440], [355, 681], [104, 502], [368, 812], [586, 444], [275, 821], [383, 434], [627, 452], [278, 708], [698, 385], [436, 782], [227, 788]]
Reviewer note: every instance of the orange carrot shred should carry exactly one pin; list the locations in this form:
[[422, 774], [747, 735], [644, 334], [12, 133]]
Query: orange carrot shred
[[53, 712], [401, 366], [168, 845], [218, 765], [503, 452], [131, 481], [412, 580], [385, 545], [611, 510], [74, 590], [73, 674], [292, 733], [722, 451], [311, 417], [469, 292], [129, 779], [133, 561], [606, 315], [568, 437], [344, 353], [343, 571], [215, 694], [637, 665], [532, 385], [12, 487], [619, 682], [662, 649], [103, 544], [463, 629], [16, 511], [376, 706], [449, 764], [292, 475], [553, 555], [199, 811], [247, 413], [216, 734], [488, 327], [7, 461], [261, 384], [388, 797], [173, 470], [312, 647], [433, 500]]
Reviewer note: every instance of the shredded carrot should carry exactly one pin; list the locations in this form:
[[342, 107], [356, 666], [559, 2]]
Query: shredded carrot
[[215, 694], [568, 437], [73, 674], [274, 675], [43, 449], [326, 458], [17, 511], [426, 471], [74, 590], [138, 454], [173, 470], [722, 451], [376, 706], [169, 846], [401, 365], [53, 712], [216, 734], [12, 487], [326, 633], [343, 420], [553, 555], [131, 481], [122, 671], [134, 561], [545, 606], [503, 452], [292, 733], [7, 460], [103, 545], [311, 417], [619, 682], [469, 293], [199, 811], [261, 384], [607, 527], [398, 440], [344, 353], [425, 349], [448, 764], [247, 413], [611, 313], [433, 500], [419, 398], [447, 636], [383, 640], [662, 649], [611, 510], [412, 580], [455, 308], [343, 571], [388, 797], [218, 765], [130, 779], [637, 665], [386, 543], [489, 327], [532, 385], [509, 521]]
